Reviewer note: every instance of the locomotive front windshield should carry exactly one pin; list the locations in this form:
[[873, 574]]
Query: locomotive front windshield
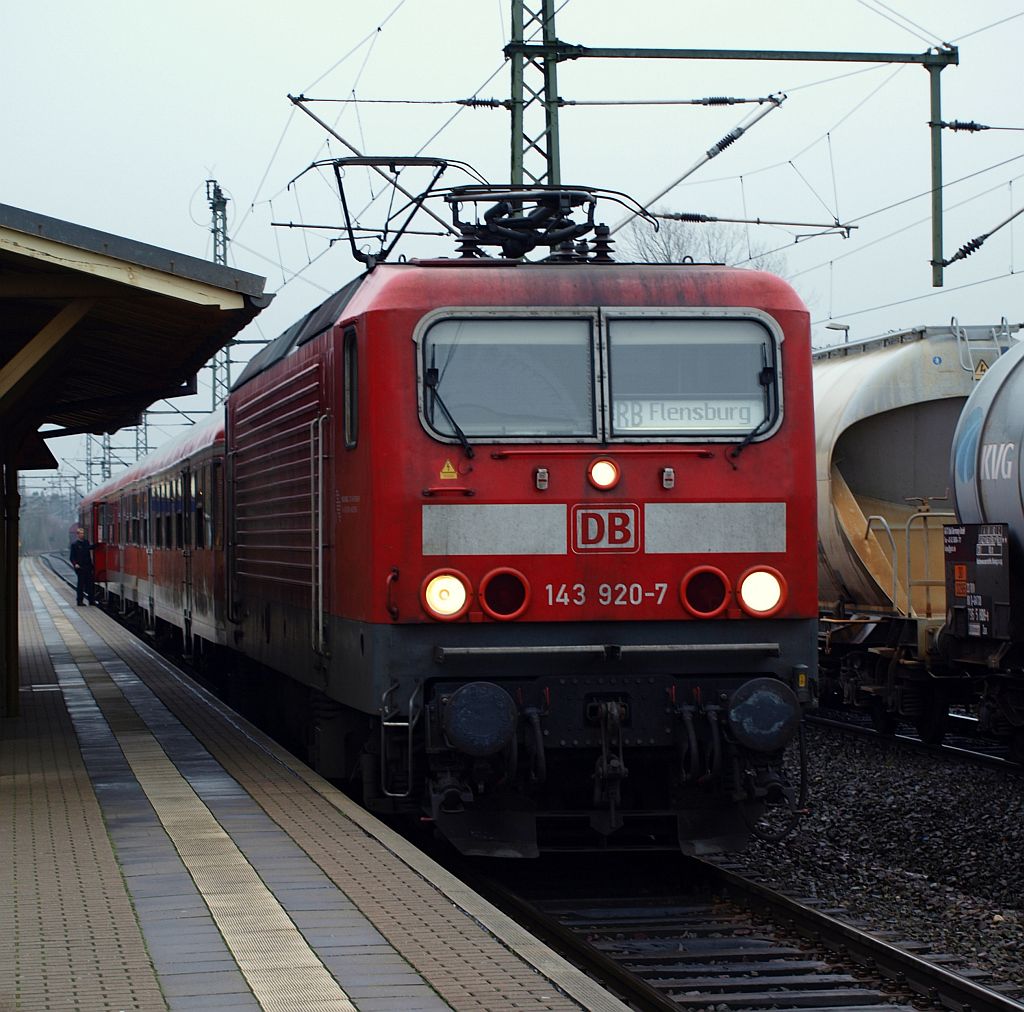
[[659, 376], [530, 377], [688, 377]]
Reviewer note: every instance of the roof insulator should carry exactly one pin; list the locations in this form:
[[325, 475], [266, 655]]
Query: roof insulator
[[957, 124], [729, 138], [966, 250]]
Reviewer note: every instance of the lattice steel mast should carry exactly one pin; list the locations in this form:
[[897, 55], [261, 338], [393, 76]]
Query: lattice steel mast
[[220, 365], [535, 151]]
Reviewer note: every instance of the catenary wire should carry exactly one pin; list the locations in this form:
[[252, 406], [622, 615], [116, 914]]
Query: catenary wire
[[945, 186], [291, 112], [864, 246], [918, 298], [842, 120], [899, 20], [889, 207], [995, 24], [362, 42], [295, 275]]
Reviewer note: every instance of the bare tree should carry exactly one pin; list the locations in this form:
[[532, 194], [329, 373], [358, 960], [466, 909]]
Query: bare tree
[[715, 242]]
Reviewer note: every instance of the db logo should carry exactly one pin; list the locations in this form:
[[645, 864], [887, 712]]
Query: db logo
[[606, 528]]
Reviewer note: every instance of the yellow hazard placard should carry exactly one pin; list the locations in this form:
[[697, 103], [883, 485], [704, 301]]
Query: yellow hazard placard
[[980, 369], [448, 472]]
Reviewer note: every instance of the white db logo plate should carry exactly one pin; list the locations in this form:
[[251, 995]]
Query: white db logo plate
[[606, 528]]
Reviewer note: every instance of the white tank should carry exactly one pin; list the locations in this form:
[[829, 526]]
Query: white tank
[[985, 459], [885, 410]]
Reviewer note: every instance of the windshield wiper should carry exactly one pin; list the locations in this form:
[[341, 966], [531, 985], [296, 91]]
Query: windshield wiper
[[766, 377], [432, 381], [747, 440]]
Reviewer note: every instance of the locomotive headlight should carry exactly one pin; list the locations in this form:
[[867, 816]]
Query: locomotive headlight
[[446, 594], [603, 473], [762, 591]]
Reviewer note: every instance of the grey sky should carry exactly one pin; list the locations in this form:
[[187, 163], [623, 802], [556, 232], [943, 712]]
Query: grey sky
[[116, 112]]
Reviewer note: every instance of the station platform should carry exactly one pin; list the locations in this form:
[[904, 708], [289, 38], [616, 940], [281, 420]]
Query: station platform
[[160, 852]]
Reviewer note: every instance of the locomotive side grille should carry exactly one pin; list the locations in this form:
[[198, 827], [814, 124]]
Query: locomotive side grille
[[274, 462]]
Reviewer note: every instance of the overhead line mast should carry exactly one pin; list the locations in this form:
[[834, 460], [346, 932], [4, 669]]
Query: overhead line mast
[[534, 87], [535, 102], [220, 365]]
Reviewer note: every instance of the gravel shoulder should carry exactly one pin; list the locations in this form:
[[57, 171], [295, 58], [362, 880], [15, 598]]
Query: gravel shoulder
[[931, 850]]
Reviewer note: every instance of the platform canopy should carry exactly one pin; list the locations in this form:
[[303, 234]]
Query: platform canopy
[[93, 328]]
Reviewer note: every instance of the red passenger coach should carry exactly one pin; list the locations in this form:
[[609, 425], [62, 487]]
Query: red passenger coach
[[159, 534], [536, 540]]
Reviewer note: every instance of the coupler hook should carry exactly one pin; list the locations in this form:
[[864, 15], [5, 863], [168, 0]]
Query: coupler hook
[[610, 769]]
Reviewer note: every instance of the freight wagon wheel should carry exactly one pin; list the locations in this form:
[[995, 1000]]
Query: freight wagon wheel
[[882, 720]]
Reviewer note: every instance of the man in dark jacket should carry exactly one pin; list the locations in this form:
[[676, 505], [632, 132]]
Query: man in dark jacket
[[81, 559]]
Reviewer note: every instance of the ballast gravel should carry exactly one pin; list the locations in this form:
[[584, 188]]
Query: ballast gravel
[[924, 848]]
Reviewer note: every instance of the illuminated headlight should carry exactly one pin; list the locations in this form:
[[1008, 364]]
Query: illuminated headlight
[[762, 591], [603, 473], [446, 594]]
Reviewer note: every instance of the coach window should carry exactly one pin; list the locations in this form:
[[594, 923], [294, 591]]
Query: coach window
[[509, 377], [180, 512], [199, 505], [350, 365], [214, 508], [691, 377], [165, 516]]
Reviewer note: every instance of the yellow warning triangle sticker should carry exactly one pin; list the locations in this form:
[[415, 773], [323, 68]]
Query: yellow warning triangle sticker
[[980, 369], [448, 472]]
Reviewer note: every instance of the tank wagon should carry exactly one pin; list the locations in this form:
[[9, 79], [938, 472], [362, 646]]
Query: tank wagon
[[985, 552], [886, 410], [529, 542]]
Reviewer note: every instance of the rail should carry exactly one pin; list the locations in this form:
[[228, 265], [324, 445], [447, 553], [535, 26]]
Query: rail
[[948, 988], [688, 953]]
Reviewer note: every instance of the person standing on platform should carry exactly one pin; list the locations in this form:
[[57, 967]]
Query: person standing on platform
[[81, 559]]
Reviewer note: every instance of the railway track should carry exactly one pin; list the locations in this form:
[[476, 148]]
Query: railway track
[[962, 747], [735, 944]]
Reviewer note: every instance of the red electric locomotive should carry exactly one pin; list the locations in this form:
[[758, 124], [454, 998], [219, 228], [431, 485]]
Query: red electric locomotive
[[536, 540]]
